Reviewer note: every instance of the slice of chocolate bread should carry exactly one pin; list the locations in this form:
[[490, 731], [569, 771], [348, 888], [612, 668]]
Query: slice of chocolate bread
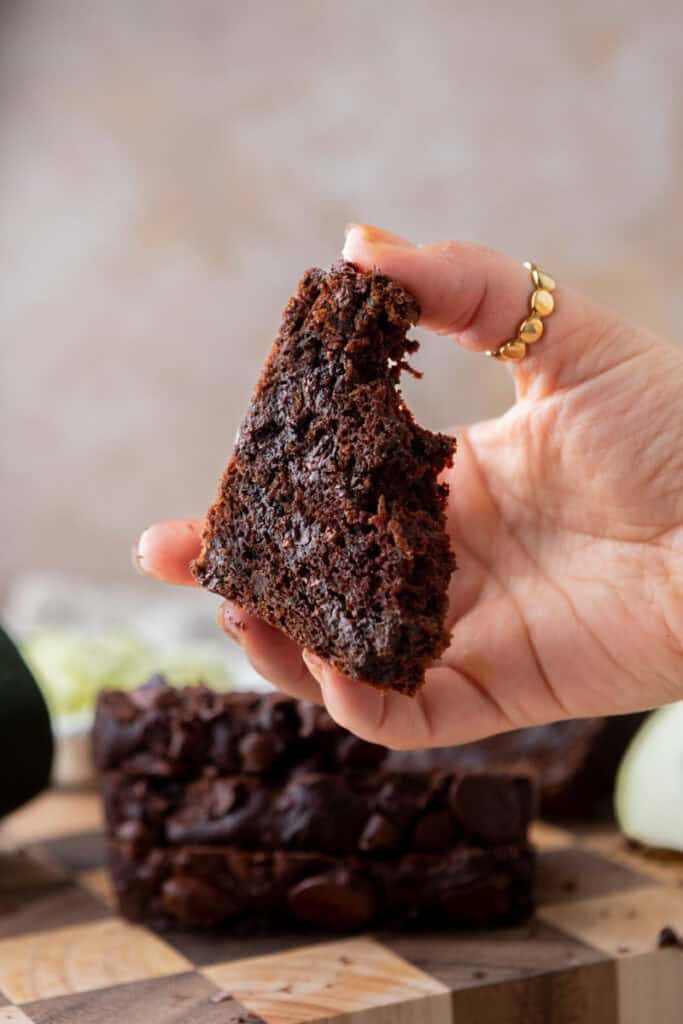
[[330, 522]]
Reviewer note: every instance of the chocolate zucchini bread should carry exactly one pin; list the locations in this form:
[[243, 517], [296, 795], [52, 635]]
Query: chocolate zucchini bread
[[208, 886], [316, 831], [330, 522]]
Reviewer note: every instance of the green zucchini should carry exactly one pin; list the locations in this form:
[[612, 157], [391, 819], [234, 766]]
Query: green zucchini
[[26, 744]]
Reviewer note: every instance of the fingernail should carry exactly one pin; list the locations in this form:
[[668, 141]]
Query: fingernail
[[352, 226], [231, 622], [316, 665], [137, 554], [368, 233]]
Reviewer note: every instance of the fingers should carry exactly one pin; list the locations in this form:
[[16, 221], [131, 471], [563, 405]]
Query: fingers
[[165, 550], [410, 723], [464, 290], [274, 656], [481, 296]]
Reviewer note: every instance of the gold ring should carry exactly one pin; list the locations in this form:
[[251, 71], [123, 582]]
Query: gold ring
[[530, 330]]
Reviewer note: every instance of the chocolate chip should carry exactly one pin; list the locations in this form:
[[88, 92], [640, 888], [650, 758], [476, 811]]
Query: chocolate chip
[[256, 751], [221, 749], [315, 720], [118, 731], [379, 834], [121, 706], [224, 795], [492, 807], [159, 730], [195, 902], [210, 707], [154, 693], [246, 824], [403, 800], [319, 812], [278, 714], [147, 763], [183, 742], [359, 755], [134, 832], [339, 901], [434, 832], [669, 938]]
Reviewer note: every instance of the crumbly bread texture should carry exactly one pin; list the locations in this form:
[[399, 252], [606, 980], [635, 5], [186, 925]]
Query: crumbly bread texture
[[330, 522]]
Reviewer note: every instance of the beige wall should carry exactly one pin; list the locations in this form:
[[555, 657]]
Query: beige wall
[[168, 168]]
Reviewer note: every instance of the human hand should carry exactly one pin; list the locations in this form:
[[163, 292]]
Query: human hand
[[565, 514]]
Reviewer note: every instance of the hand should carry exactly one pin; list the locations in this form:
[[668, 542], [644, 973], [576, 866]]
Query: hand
[[565, 514]]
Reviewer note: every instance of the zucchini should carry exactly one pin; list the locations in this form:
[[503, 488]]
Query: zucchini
[[26, 744]]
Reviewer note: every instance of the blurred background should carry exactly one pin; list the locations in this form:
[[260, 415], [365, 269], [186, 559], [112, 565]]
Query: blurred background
[[168, 169]]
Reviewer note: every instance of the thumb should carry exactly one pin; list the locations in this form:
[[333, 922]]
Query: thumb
[[481, 297]]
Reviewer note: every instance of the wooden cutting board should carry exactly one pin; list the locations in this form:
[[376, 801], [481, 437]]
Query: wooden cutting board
[[589, 956]]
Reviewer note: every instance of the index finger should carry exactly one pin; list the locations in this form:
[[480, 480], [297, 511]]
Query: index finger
[[465, 290], [480, 297], [165, 550]]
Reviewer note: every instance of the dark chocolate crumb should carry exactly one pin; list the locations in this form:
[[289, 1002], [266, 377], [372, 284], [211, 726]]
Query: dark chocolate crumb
[[669, 938], [221, 997], [570, 885], [479, 975], [623, 949]]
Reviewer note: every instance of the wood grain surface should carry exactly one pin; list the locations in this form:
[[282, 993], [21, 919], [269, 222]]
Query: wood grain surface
[[351, 979], [589, 955]]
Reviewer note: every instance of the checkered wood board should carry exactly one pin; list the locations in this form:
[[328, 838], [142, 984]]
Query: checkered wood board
[[589, 956]]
